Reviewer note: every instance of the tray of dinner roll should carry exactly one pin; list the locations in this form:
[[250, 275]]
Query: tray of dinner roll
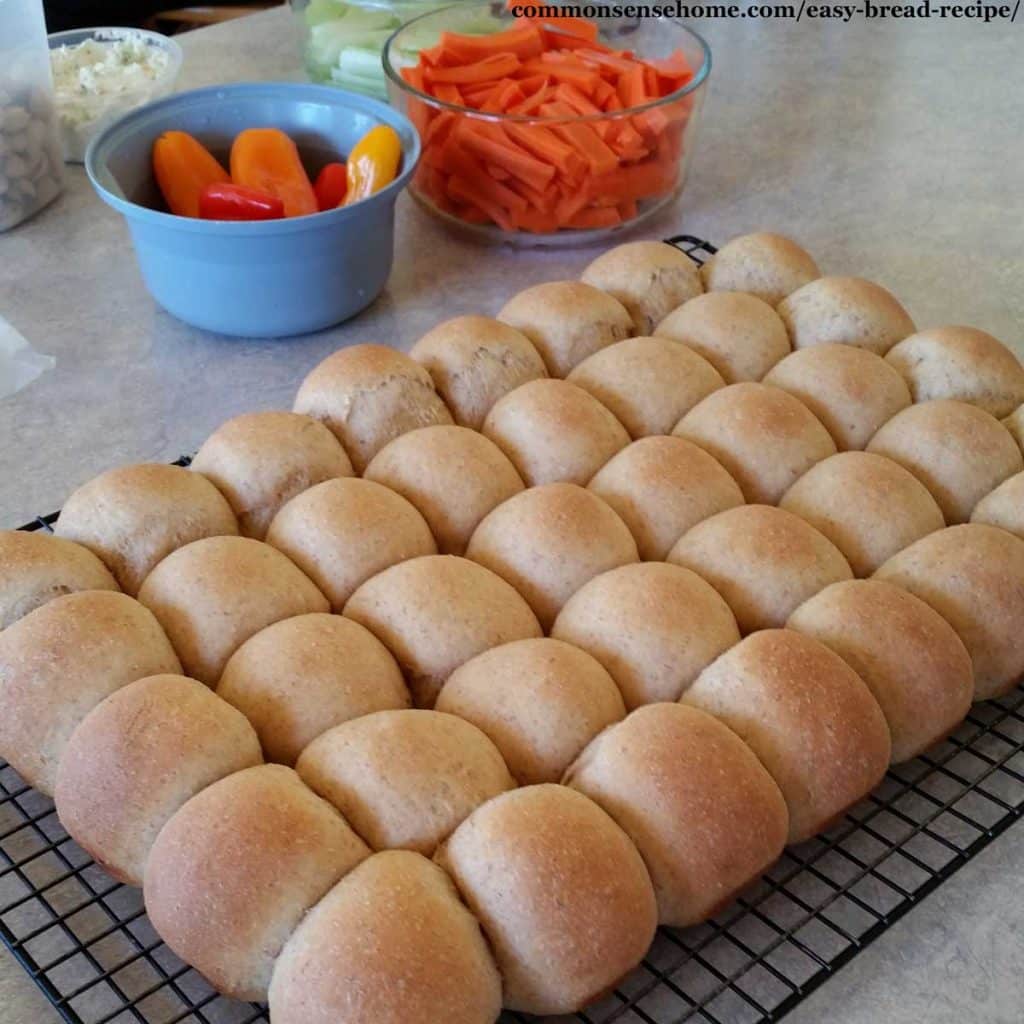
[[639, 653]]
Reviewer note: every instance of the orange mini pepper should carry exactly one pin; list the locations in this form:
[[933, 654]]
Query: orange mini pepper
[[184, 168], [267, 160], [373, 163]]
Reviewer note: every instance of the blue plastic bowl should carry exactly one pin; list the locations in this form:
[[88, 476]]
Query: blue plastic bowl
[[263, 279]]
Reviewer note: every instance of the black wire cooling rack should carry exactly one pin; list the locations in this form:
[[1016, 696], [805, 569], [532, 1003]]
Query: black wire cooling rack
[[86, 942]]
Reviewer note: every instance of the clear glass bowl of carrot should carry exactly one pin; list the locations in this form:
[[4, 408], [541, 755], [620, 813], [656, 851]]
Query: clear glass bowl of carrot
[[547, 131]]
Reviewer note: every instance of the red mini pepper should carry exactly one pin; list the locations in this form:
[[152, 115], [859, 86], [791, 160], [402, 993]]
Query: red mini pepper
[[330, 186], [226, 201]]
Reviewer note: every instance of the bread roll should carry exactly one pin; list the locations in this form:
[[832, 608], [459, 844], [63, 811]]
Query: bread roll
[[232, 874], [342, 532], [405, 779], [390, 944], [368, 395], [958, 451], [452, 475], [1004, 506], [554, 431], [540, 702], [809, 718], [212, 595], [868, 506], [36, 567], [910, 657], [567, 321], [134, 516], [971, 575], [962, 363], [705, 815], [763, 264], [847, 311], [764, 437], [261, 460], [851, 390], [435, 613], [548, 541], [473, 361], [137, 757], [1014, 423], [59, 661], [653, 626], [561, 893], [649, 278], [764, 561], [648, 383], [740, 335], [300, 677], [660, 487]]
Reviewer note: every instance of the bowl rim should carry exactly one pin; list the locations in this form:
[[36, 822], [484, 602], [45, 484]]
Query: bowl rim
[[392, 74], [287, 225]]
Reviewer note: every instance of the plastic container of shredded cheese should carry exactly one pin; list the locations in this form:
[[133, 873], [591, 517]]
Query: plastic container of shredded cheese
[[100, 74]]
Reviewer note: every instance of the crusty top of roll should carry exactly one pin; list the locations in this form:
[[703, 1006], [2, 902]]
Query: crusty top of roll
[[391, 943], [767, 265], [1014, 423], [237, 868], [369, 394], [134, 516], [567, 321], [212, 595], [649, 278], [59, 661], [847, 310], [473, 361], [37, 567], [1004, 506], [261, 460], [963, 363]]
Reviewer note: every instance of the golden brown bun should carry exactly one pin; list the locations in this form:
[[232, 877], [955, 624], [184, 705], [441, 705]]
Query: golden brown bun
[[300, 677], [851, 390], [962, 363], [540, 702], [764, 437], [868, 506], [134, 516], [137, 757], [342, 532], [567, 321], [909, 656], [971, 575], [58, 662], [1004, 506], [847, 311], [764, 561], [261, 460], [405, 779], [648, 383], [369, 395], [740, 335], [653, 626], [649, 278], [212, 595], [705, 815], [763, 264], [37, 567], [660, 487], [1014, 423], [807, 715], [437, 612], [452, 475], [473, 361], [390, 944], [548, 541], [561, 893], [554, 431], [233, 873], [958, 451]]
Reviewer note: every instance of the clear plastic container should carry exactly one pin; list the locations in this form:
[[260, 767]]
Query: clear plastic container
[[31, 162]]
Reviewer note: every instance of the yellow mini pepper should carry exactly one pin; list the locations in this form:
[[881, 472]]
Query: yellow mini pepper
[[373, 163]]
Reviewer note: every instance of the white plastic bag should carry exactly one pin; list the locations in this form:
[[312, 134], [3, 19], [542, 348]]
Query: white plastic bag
[[20, 363]]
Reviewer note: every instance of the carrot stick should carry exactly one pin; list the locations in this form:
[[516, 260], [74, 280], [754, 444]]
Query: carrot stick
[[439, 127], [572, 26], [463, 191], [448, 93], [581, 77], [524, 41], [605, 217], [533, 103], [602, 160], [631, 87], [511, 157], [546, 146], [487, 70]]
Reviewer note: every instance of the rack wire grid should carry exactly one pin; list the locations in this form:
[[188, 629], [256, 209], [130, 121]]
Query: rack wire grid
[[86, 942]]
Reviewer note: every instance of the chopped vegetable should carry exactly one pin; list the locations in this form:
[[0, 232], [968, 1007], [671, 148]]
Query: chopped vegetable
[[267, 160], [373, 162], [227, 201], [330, 186], [184, 167]]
